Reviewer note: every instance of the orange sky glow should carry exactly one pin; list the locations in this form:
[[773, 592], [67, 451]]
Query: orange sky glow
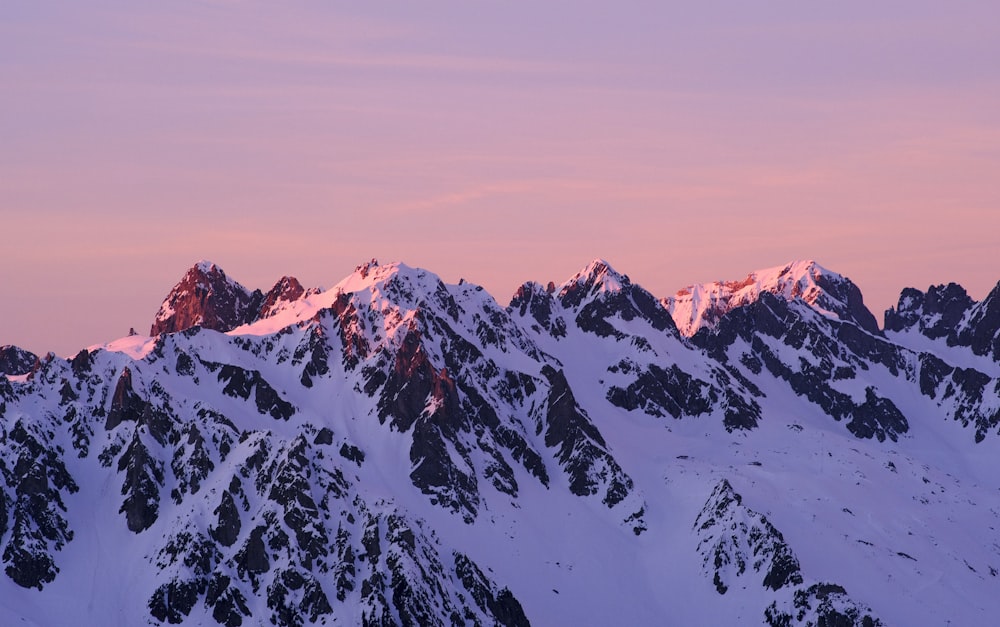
[[493, 142]]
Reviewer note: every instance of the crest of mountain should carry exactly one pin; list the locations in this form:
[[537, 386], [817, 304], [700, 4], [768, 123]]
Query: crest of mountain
[[16, 361], [947, 312], [397, 450], [588, 300], [207, 297], [703, 305], [601, 312]]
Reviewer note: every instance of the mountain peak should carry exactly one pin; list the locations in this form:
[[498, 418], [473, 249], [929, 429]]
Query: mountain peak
[[205, 266], [598, 277], [364, 268], [372, 273], [702, 305], [287, 290], [601, 271], [207, 297], [16, 361]]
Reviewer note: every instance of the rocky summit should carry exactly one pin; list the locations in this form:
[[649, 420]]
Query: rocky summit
[[396, 450]]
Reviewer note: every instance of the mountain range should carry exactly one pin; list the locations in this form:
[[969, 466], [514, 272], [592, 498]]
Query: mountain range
[[396, 450]]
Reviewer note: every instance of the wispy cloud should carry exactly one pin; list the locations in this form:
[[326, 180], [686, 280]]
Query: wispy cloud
[[465, 196], [465, 64]]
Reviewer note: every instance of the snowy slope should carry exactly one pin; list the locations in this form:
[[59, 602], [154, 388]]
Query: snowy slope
[[397, 450]]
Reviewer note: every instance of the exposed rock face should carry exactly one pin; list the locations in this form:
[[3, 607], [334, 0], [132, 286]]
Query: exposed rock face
[[968, 391], [982, 329], [417, 396], [499, 603], [286, 290], [947, 311], [820, 604], [843, 297], [34, 485], [736, 540], [207, 297], [533, 301], [762, 335], [935, 314], [241, 383], [125, 403], [599, 293], [737, 543], [16, 361], [582, 450], [612, 311], [141, 486]]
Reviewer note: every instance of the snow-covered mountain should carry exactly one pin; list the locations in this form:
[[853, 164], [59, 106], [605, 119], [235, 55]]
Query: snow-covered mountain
[[399, 451], [703, 305]]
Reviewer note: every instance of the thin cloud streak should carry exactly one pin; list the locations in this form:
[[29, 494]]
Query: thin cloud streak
[[423, 62]]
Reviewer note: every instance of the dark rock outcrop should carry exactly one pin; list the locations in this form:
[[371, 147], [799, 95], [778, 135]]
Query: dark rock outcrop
[[663, 391], [599, 294], [936, 313], [498, 603], [842, 296], [241, 383], [982, 332], [736, 542], [826, 604], [141, 487], [827, 351], [17, 361], [33, 522], [580, 448], [208, 298], [534, 301], [947, 311], [126, 405]]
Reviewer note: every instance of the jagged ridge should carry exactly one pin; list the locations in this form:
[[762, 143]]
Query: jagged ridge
[[351, 455]]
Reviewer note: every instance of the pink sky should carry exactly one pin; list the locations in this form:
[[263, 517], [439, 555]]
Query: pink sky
[[499, 142]]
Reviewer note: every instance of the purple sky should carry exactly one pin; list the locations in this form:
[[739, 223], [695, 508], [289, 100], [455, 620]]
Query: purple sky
[[495, 141]]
